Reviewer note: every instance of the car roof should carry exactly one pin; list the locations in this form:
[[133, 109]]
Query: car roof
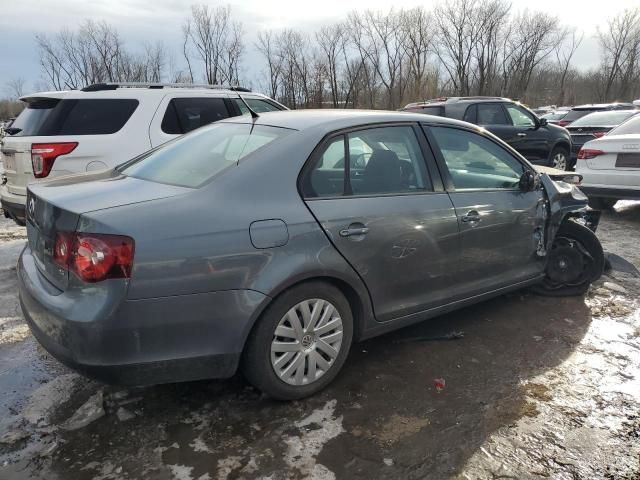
[[137, 93], [305, 119], [599, 106]]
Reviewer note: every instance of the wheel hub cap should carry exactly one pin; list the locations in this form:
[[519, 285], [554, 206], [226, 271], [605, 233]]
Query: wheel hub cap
[[306, 342]]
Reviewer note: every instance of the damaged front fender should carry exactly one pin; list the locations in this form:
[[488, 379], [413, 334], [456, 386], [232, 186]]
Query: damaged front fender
[[565, 200]]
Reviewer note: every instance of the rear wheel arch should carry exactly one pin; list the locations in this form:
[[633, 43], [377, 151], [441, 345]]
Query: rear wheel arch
[[360, 307], [564, 144]]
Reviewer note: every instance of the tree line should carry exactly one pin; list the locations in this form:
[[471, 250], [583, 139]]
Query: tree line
[[371, 59]]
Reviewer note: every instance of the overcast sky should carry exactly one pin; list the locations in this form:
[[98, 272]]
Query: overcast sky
[[137, 20]]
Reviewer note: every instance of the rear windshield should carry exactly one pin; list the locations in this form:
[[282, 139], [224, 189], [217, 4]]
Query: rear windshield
[[192, 160], [630, 127], [433, 110], [554, 115], [576, 114], [603, 119], [33, 116], [97, 116]]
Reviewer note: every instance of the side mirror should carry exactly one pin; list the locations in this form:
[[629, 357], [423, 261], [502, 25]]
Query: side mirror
[[528, 181], [543, 122]]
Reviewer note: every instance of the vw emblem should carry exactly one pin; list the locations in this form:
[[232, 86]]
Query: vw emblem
[[32, 207]]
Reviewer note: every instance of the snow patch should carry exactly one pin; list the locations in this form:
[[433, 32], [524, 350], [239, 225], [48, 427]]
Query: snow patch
[[302, 450]]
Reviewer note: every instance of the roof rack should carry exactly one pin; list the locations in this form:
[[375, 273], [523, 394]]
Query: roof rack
[[97, 87]]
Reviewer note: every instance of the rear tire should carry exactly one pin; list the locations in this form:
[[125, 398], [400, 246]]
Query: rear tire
[[294, 363], [599, 203], [559, 159], [575, 260]]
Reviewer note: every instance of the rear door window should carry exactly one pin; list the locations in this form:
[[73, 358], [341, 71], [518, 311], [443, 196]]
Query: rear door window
[[88, 117], [379, 161], [491, 114], [186, 114]]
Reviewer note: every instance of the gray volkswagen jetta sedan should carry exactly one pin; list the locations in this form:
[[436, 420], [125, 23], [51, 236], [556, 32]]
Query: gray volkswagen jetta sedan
[[271, 244]]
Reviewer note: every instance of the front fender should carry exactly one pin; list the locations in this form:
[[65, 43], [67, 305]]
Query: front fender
[[564, 200]]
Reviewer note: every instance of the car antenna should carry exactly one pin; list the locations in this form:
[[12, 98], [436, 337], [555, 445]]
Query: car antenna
[[254, 115]]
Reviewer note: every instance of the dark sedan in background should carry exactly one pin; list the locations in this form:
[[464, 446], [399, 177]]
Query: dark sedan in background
[[582, 110], [595, 125]]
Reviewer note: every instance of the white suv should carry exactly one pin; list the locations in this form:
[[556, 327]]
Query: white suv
[[610, 165], [103, 125]]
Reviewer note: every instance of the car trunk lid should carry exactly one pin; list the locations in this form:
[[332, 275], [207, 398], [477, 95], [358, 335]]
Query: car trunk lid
[[16, 158], [620, 153], [56, 206]]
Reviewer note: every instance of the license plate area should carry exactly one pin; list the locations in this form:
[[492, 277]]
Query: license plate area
[[9, 161], [628, 160]]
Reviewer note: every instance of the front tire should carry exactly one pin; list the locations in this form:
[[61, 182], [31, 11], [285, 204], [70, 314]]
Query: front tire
[[599, 203], [575, 260], [300, 342], [559, 159]]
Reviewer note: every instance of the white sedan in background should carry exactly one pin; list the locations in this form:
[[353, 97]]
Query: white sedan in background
[[610, 166]]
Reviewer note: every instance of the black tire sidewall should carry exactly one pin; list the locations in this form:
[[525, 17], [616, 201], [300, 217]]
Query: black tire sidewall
[[256, 361]]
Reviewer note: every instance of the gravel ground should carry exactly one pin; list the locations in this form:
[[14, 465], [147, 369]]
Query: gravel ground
[[536, 388]]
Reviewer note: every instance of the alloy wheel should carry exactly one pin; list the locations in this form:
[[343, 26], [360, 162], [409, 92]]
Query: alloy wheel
[[560, 161], [306, 342]]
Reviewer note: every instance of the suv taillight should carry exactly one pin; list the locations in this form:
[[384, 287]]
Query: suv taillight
[[44, 154], [589, 153], [94, 256]]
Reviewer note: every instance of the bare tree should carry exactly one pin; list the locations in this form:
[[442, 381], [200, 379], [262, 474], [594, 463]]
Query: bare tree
[[217, 41], [531, 39], [620, 44], [15, 88], [458, 31], [331, 40], [266, 46], [564, 54], [419, 43]]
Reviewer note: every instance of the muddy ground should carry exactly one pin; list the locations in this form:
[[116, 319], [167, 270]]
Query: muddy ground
[[536, 388]]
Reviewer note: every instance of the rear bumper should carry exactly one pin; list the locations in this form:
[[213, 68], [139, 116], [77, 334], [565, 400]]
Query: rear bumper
[[140, 342], [608, 192], [13, 205]]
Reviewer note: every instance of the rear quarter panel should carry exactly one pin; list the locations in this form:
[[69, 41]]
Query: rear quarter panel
[[200, 242]]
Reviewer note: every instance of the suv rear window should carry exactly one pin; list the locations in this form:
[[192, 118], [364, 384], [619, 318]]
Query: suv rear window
[[91, 116], [186, 114], [192, 160], [33, 116]]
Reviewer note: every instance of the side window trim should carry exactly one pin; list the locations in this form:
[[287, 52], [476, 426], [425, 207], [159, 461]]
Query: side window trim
[[442, 165]]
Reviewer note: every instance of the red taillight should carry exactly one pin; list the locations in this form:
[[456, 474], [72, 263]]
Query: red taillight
[[62, 248], [44, 154], [94, 257], [599, 134], [588, 153]]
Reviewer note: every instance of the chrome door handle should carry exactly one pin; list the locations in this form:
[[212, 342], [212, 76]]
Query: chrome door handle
[[352, 232], [522, 134], [471, 217]]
